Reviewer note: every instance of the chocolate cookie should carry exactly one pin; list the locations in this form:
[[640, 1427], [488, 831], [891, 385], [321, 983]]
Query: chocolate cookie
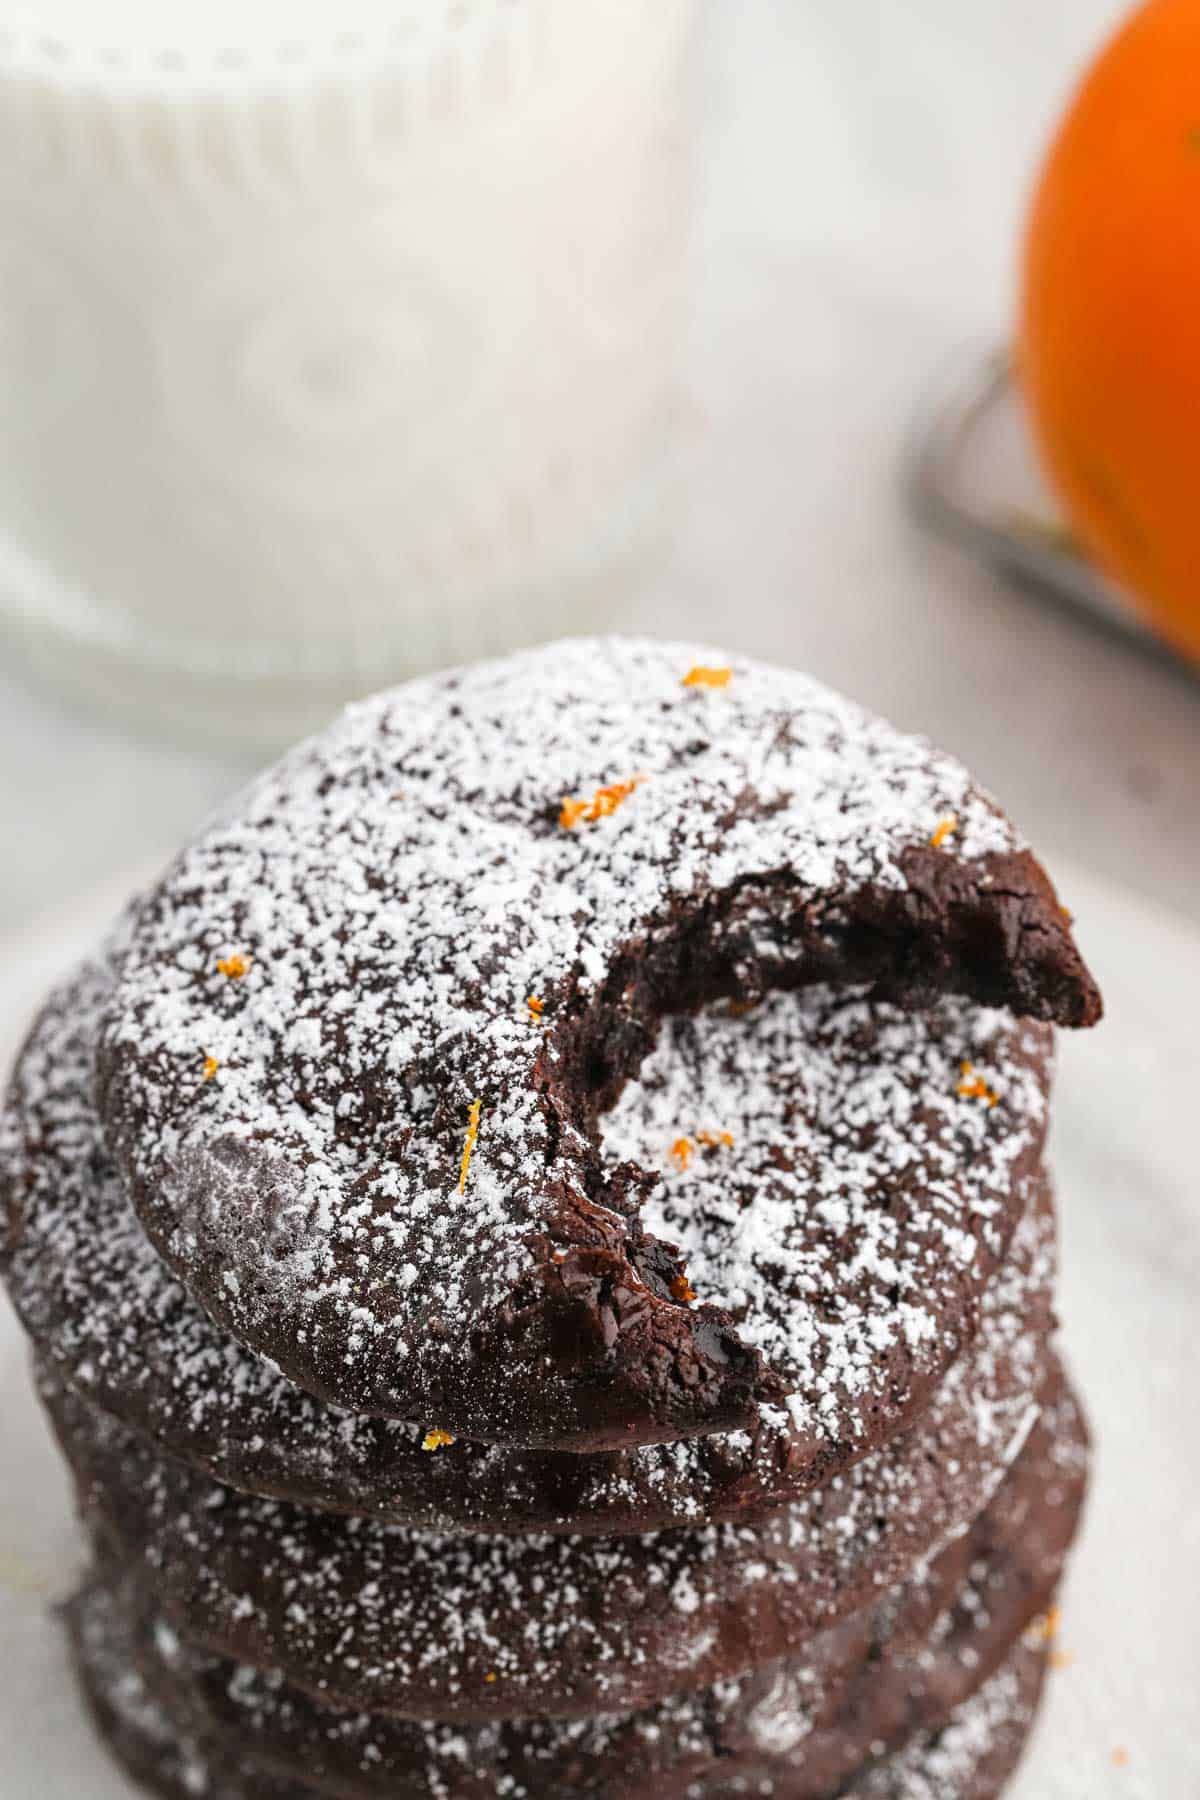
[[971, 1757], [868, 1684], [105, 1311], [161, 1749], [392, 1620], [366, 1024]]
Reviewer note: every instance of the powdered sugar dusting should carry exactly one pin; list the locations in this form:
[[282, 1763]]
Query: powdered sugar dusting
[[835, 1191], [158, 1712], [971, 1756], [982, 1740], [398, 889], [391, 1619], [104, 1308]]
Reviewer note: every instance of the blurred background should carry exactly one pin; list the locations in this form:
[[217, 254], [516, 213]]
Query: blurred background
[[338, 342], [746, 243]]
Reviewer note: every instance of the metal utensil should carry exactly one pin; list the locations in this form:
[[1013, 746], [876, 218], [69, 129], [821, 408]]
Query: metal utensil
[[971, 477]]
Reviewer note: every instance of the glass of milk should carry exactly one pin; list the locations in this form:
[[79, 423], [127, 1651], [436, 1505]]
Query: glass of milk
[[336, 338]]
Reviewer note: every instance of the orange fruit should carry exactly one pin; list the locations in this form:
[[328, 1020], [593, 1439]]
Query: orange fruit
[[1108, 349]]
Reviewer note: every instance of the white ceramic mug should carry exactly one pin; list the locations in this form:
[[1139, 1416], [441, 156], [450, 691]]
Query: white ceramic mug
[[334, 352]]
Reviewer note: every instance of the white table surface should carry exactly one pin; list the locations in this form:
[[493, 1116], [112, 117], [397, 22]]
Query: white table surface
[[859, 189]]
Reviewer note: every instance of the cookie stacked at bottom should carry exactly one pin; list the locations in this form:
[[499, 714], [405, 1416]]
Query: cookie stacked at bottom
[[696, 1429], [821, 1721]]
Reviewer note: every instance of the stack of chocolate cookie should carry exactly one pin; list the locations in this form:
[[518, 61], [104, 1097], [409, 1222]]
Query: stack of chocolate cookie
[[539, 1257]]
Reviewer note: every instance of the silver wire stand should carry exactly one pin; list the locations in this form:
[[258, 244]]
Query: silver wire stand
[[969, 476]]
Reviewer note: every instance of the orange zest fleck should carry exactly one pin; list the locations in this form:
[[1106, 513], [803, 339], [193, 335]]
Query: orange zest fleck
[[234, 966], [974, 1087], [468, 1147], [684, 1148], [944, 829], [1044, 1629], [536, 1007], [211, 1065], [1120, 1756], [709, 678], [681, 1152], [682, 1289], [433, 1440], [490, 1676], [604, 801]]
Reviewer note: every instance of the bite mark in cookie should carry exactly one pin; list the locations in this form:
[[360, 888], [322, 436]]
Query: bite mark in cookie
[[113, 1322], [776, 837]]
